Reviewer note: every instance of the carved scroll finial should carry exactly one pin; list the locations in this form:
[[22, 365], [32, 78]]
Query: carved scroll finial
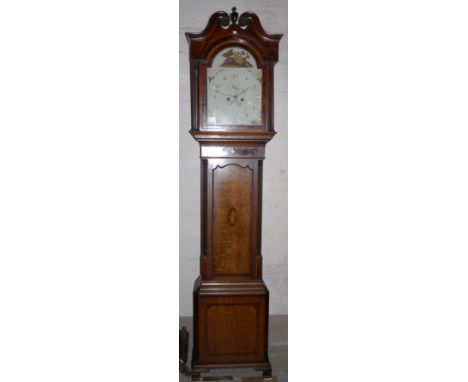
[[234, 16], [233, 19]]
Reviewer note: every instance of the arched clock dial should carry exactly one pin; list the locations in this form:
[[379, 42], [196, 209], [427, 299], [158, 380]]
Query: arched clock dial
[[234, 89]]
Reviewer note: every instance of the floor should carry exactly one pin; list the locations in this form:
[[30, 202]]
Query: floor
[[277, 351]]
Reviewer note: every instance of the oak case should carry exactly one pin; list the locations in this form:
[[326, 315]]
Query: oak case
[[230, 298]]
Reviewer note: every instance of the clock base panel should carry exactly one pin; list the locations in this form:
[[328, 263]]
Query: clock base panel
[[230, 327]]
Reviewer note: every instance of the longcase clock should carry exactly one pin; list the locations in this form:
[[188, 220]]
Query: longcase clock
[[231, 78]]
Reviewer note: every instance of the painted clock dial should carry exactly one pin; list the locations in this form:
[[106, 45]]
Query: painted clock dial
[[234, 89]]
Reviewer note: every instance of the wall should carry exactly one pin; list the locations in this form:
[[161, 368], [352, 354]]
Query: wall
[[193, 16]]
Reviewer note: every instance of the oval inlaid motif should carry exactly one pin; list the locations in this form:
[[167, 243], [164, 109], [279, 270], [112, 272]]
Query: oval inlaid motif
[[232, 216]]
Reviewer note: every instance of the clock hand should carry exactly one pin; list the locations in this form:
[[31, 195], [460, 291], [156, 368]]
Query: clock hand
[[232, 96], [242, 91], [236, 101], [220, 92]]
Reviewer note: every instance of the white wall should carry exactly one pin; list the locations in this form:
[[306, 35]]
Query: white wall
[[193, 16]]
